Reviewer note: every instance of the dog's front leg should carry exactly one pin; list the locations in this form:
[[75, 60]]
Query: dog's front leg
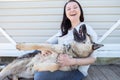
[[33, 46]]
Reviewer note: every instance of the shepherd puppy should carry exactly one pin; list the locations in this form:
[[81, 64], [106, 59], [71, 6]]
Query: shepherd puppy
[[25, 66]]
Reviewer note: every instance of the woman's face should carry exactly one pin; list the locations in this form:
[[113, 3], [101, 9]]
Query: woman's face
[[72, 11]]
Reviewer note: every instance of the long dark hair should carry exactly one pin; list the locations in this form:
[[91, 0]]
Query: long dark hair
[[66, 24]]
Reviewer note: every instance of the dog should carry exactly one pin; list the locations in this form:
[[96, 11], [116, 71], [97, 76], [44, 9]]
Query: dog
[[26, 65]]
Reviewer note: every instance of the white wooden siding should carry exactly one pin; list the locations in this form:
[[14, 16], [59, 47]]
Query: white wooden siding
[[34, 21]]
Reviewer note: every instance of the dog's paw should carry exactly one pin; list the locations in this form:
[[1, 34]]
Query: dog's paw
[[20, 46]]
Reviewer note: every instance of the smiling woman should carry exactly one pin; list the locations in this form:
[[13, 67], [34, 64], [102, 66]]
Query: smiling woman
[[73, 12], [72, 18]]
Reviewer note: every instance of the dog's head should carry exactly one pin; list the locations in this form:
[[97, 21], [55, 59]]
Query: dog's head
[[83, 41], [81, 36]]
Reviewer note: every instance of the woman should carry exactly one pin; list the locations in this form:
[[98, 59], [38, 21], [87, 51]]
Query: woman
[[72, 18]]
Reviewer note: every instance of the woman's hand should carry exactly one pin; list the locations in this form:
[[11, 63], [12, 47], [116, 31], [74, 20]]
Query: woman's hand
[[65, 60]]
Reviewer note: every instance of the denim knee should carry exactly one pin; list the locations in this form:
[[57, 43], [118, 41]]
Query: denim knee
[[59, 75]]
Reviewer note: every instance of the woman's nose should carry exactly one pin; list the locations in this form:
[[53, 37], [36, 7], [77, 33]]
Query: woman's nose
[[72, 10]]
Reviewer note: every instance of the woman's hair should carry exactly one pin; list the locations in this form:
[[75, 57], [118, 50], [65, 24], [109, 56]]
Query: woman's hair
[[66, 24]]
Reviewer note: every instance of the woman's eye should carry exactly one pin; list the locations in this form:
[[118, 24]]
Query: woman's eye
[[75, 7], [68, 9]]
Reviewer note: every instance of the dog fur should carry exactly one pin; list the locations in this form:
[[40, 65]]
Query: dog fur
[[25, 66]]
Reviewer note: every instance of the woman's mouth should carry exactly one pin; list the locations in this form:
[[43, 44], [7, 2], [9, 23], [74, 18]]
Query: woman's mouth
[[73, 15]]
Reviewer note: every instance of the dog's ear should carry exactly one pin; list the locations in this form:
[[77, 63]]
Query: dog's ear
[[96, 46], [76, 35], [83, 29], [81, 35]]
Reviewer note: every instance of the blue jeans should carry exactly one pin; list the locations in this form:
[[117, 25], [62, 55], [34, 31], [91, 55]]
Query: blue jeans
[[59, 75]]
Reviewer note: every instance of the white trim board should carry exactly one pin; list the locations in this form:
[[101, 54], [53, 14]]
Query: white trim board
[[7, 36], [109, 50], [12, 53]]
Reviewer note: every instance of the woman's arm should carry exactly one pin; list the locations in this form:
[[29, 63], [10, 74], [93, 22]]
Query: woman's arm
[[65, 60], [83, 61]]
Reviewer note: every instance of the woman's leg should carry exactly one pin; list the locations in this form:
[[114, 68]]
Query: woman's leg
[[59, 75]]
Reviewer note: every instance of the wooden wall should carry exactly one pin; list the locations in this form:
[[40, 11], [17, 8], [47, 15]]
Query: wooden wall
[[34, 21]]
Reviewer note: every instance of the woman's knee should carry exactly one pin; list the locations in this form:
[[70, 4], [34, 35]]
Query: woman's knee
[[45, 75], [58, 75]]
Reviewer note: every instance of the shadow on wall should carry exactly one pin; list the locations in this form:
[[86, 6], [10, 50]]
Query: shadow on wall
[[104, 61], [6, 60]]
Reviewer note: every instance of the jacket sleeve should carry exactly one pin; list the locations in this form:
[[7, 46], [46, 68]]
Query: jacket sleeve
[[54, 38], [92, 33], [94, 37]]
